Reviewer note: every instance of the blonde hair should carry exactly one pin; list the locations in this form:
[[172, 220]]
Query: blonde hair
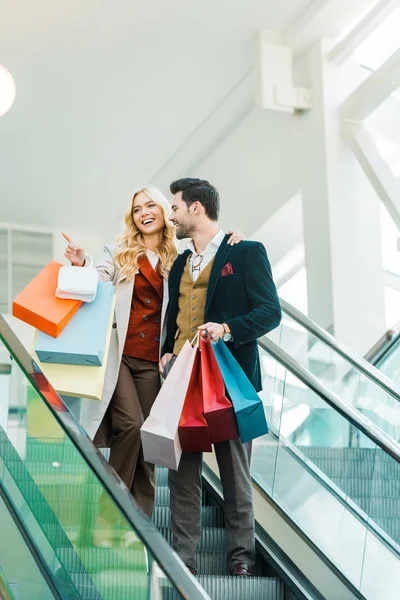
[[130, 246]]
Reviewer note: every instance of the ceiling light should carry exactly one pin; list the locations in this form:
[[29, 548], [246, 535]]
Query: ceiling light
[[7, 90]]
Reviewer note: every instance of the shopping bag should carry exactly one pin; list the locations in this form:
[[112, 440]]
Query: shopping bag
[[193, 428], [159, 432], [77, 283], [83, 341], [247, 404], [38, 306], [218, 410], [78, 380]]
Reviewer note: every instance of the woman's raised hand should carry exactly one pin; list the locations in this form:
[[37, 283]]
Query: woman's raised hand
[[74, 253]]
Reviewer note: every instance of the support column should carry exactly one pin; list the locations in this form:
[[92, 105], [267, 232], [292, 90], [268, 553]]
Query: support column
[[341, 214]]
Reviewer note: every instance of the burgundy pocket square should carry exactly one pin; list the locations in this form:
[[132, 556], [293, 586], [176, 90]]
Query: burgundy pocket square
[[227, 270]]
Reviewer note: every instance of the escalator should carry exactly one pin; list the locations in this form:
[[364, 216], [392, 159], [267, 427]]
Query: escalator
[[52, 480], [373, 390], [326, 487], [334, 435]]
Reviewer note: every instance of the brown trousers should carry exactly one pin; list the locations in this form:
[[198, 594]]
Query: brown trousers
[[137, 387]]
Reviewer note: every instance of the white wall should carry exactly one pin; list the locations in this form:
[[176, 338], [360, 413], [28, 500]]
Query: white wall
[[91, 241]]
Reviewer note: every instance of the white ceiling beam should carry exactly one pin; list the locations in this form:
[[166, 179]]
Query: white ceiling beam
[[209, 135], [303, 18], [320, 19], [370, 94], [345, 48], [375, 167], [392, 280]]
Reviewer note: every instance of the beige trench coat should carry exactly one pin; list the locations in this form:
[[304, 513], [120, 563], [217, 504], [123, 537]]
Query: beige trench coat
[[93, 411]]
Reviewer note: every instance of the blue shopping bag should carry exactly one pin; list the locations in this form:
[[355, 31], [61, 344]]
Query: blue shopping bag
[[84, 339], [247, 404]]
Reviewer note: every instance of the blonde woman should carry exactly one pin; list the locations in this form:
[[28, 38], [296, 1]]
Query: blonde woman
[[138, 264]]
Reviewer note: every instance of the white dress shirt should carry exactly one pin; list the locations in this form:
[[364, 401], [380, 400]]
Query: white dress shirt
[[207, 254]]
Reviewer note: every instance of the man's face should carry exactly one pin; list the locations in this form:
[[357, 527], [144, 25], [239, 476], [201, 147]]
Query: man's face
[[182, 217]]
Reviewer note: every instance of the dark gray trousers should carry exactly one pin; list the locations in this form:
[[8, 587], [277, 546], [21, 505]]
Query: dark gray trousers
[[186, 491]]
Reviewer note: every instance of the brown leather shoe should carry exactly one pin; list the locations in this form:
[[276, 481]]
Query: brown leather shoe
[[192, 570], [240, 569]]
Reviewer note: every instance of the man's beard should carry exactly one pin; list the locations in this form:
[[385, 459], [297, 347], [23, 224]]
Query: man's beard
[[183, 230]]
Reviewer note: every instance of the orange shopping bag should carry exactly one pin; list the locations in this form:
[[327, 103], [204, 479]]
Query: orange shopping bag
[[38, 306]]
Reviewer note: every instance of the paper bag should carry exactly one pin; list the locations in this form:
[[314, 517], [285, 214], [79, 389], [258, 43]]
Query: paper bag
[[159, 433], [77, 283], [83, 341], [247, 404], [193, 428], [77, 380], [218, 410], [38, 306]]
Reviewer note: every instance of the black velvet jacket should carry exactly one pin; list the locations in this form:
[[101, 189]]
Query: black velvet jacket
[[241, 293]]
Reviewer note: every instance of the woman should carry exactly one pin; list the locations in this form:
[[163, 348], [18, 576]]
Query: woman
[[138, 264]]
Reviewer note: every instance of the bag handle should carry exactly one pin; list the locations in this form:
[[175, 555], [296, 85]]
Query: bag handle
[[208, 335], [196, 340], [88, 261]]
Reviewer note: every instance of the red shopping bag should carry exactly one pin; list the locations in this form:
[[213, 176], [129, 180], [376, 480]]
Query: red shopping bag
[[193, 428], [218, 410]]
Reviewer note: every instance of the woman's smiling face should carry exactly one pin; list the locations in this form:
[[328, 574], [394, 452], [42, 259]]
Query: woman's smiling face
[[147, 215]]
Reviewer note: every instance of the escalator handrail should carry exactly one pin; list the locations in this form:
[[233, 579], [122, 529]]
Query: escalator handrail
[[384, 350], [382, 347], [376, 376], [351, 414], [170, 563]]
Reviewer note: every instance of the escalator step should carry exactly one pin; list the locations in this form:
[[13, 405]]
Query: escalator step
[[210, 516], [66, 512], [50, 449], [236, 588], [161, 476], [382, 507], [378, 487], [86, 590], [359, 454], [96, 559], [215, 563], [162, 496], [212, 538], [391, 526], [357, 469], [118, 585], [243, 588], [71, 491]]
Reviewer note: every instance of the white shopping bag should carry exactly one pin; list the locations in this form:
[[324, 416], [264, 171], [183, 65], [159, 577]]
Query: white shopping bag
[[159, 432], [77, 283]]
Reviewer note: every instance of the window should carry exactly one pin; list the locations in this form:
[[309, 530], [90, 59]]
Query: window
[[381, 44], [22, 255], [294, 291]]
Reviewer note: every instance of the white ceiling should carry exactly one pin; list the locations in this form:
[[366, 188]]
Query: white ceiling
[[108, 91]]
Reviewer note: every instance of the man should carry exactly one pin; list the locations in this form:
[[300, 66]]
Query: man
[[229, 291]]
